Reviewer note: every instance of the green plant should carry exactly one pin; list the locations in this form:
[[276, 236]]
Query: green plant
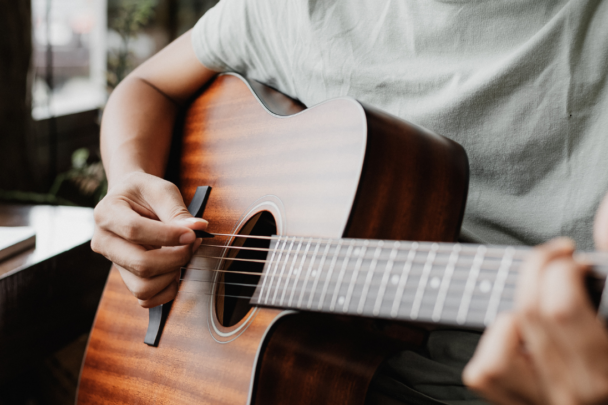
[[128, 18], [84, 184]]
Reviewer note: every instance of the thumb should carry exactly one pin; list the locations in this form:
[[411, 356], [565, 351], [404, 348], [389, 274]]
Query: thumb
[[600, 231], [168, 204]]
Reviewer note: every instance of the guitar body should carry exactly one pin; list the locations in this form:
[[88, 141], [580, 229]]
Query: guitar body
[[336, 169]]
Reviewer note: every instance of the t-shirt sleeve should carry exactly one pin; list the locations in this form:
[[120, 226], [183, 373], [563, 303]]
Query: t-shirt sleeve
[[249, 37]]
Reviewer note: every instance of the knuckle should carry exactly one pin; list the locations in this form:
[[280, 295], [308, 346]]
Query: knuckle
[[140, 269], [141, 293], [563, 312], [95, 245], [99, 214], [97, 242], [168, 187], [479, 378], [185, 256], [130, 231], [145, 304], [528, 312]]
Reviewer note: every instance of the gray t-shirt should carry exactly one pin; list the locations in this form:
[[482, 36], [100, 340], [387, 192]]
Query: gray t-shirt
[[521, 84]]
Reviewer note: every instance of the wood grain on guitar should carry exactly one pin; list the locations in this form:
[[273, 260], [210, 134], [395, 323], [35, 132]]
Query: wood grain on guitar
[[339, 169]]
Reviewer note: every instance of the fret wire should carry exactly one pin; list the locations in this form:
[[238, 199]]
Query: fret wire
[[299, 271], [403, 280], [457, 275], [470, 286], [368, 278], [268, 264], [427, 307], [329, 272], [445, 283], [353, 279], [406, 244], [508, 287], [312, 261], [318, 275], [288, 278], [341, 276], [498, 285], [384, 314], [467, 249], [276, 266], [276, 289], [422, 283], [493, 264], [384, 282], [593, 257]]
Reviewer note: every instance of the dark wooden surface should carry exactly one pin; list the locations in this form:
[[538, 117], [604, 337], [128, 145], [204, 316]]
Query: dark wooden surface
[[48, 294], [309, 167]]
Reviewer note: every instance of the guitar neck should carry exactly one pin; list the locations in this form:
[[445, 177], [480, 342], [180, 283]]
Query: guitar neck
[[454, 284]]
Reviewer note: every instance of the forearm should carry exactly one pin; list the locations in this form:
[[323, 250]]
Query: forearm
[[136, 130], [138, 119]]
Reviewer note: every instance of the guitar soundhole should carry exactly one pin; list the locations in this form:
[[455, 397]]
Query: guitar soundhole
[[235, 289]]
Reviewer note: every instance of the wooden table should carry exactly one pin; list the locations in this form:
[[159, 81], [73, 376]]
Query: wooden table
[[48, 294]]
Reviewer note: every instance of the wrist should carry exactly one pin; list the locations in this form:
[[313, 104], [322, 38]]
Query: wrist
[[130, 158]]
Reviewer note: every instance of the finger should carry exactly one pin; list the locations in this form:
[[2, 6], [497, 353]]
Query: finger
[[139, 261], [117, 216], [563, 298], [600, 226], [146, 288], [166, 295], [558, 345], [167, 202], [529, 282], [498, 369]]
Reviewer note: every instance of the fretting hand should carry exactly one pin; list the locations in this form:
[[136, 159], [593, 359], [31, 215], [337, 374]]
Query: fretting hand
[[552, 349], [144, 227]]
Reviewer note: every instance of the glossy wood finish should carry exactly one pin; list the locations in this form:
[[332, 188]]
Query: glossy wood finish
[[305, 169], [414, 183]]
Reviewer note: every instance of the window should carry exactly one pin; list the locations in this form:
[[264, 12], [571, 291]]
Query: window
[[70, 34]]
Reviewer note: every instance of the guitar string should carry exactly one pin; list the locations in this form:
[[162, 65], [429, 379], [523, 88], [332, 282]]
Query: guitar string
[[488, 264], [463, 271], [597, 259], [466, 248], [507, 298], [424, 306], [508, 285], [427, 304]]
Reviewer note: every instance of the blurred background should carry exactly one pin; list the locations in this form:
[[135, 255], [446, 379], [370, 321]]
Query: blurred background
[[59, 61]]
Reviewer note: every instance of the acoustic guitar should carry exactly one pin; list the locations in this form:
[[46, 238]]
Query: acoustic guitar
[[332, 246]]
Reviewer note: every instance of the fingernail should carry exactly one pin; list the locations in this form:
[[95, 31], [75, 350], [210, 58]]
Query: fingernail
[[194, 220], [563, 243], [187, 237]]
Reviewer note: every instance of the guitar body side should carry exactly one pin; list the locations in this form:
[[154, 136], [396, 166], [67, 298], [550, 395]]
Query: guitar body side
[[306, 170]]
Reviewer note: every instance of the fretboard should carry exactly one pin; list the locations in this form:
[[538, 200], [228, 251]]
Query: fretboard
[[458, 284]]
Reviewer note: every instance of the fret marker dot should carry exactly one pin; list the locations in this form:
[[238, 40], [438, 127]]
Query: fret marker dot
[[341, 301], [394, 279], [485, 286], [435, 282], [296, 271], [314, 273], [356, 251]]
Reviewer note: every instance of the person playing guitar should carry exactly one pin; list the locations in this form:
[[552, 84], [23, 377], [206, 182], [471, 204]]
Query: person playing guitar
[[522, 86]]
